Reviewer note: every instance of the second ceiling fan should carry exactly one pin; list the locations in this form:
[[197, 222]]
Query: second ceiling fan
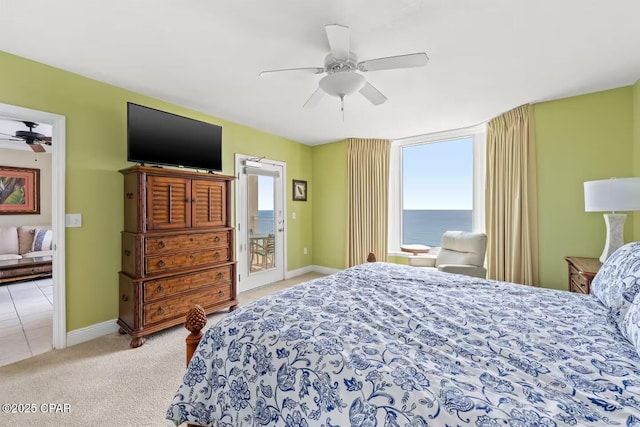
[[343, 71]]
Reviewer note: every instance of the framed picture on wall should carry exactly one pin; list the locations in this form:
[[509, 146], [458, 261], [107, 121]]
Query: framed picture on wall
[[19, 191], [299, 190]]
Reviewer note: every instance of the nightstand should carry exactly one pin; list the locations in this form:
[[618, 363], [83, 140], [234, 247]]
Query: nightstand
[[581, 273]]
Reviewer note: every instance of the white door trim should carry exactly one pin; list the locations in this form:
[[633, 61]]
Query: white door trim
[[239, 159], [58, 150]]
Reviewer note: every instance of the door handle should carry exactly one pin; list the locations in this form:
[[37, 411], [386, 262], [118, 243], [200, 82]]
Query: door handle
[[280, 229]]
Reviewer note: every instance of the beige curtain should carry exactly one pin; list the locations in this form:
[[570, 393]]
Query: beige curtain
[[511, 202], [368, 199]]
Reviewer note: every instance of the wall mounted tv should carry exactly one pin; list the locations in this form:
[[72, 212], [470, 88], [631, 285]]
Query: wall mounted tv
[[162, 138]]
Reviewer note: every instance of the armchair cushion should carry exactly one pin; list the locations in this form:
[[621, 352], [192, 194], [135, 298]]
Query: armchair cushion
[[463, 248]]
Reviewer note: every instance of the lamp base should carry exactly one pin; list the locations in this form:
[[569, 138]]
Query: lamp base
[[615, 234]]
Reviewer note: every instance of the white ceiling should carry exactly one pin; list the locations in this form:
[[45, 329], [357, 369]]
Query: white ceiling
[[486, 57]]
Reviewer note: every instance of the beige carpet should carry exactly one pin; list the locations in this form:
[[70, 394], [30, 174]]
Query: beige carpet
[[103, 381]]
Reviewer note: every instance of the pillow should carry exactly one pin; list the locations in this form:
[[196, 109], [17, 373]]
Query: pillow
[[25, 238], [618, 282], [631, 329], [42, 240]]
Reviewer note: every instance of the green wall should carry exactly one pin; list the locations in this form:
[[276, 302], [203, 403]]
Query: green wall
[[578, 139], [330, 205], [96, 149], [636, 150]]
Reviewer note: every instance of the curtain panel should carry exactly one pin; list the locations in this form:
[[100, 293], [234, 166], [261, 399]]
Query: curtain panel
[[368, 199], [511, 200]]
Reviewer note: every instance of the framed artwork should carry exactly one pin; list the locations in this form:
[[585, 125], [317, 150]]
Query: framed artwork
[[19, 191], [299, 190]]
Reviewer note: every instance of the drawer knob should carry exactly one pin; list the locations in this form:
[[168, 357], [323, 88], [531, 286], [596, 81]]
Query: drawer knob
[[221, 293], [216, 239], [216, 255], [124, 298], [219, 275], [127, 252], [161, 244], [160, 310], [161, 263], [129, 195], [192, 256], [160, 288], [191, 239]]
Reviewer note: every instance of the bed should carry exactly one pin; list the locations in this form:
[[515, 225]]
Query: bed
[[384, 344]]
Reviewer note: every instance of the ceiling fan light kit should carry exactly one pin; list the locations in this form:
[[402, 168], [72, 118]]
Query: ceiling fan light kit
[[342, 84], [343, 69]]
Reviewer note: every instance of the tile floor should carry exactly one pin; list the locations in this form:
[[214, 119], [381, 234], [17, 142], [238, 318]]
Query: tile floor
[[26, 319]]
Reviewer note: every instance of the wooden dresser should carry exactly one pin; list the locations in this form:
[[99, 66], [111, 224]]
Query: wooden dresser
[[177, 248], [581, 273]]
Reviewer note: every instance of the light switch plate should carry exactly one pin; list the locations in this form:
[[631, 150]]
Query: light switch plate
[[73, 220]]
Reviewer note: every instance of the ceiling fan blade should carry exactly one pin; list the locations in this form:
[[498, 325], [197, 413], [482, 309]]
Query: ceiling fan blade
[[314, 99], [309, 70], [338, 36], [37, 148], [6, 134], [372, 94], [46, 140], [392, 62]]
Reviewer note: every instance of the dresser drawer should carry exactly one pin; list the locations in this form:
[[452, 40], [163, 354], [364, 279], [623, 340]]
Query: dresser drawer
[[163, 288], [161, 263], [179, 305], [185, 242]]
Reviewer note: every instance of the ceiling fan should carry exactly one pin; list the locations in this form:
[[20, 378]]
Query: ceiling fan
[[33, 139], [343, 71]]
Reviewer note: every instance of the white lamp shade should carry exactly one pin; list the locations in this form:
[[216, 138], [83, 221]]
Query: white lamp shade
[[342, 83], [610, 195]]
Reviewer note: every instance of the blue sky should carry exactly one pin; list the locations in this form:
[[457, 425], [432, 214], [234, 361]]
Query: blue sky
[[265, 193], [438, 175]]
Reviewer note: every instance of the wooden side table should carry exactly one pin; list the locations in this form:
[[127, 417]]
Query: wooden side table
[[581, 272]]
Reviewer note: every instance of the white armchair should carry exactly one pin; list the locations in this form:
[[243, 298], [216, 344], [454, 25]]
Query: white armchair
[[460, 252]]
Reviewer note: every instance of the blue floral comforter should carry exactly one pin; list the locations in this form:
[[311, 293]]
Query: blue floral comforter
[[389, 345]]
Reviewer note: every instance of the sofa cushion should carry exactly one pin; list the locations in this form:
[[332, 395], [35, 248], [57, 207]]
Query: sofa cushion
[[8, 240], [37, 254], [42, 240], [4, 257]]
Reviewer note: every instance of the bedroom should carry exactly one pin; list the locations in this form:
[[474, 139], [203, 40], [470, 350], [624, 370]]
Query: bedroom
[[591, 136]]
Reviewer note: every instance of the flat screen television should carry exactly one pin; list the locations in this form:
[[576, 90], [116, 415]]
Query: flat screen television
[[162, 138]]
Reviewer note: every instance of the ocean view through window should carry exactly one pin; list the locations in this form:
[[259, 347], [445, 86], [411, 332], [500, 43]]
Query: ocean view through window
[[437, 190]]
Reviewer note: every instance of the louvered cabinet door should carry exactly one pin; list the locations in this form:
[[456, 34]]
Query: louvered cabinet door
[[208, 207], [168, 203]]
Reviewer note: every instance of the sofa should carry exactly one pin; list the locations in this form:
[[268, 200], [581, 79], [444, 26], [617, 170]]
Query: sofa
[[25, 242]]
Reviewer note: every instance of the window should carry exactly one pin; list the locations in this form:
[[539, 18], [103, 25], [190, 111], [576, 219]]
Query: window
[[437, 184]]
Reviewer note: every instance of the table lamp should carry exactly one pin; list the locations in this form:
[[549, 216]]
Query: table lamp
[[615, 194]]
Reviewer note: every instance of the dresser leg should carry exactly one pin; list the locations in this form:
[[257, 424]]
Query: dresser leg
[[122, 331], [233, 308], [137, 342]]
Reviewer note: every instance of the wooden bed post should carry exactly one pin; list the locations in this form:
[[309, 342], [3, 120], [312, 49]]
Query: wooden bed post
[[196, 319], [371, 257]]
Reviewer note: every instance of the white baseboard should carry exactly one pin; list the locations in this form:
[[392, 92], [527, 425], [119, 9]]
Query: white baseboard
[[324, 270], [298, 272], [81, 335], [309, 269]]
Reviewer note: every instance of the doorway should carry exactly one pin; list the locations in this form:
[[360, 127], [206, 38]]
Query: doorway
[[260, 221], [57, 180]]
